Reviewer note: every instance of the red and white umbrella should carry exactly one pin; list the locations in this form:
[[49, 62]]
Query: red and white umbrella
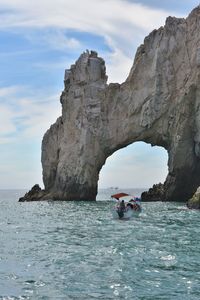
[[123, 196]]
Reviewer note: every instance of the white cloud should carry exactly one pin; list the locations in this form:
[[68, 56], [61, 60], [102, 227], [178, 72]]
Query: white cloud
[[26, 117], [118, 65], [8, 90], [23, 122], [88, 15], [7, 113], [36, 117], [6, 124], [56, 39], [120, 22], [59, 41]]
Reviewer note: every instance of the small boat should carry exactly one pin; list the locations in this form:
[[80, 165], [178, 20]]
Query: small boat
[[127, 206]]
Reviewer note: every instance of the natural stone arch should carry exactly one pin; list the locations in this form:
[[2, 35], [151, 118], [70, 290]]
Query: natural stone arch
[[159, 103]]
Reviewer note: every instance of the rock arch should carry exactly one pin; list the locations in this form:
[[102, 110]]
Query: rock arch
[[159, 103]]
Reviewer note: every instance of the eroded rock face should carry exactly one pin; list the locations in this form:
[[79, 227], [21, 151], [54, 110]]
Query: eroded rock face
[[36, 193], [159, 103], [156, 193]]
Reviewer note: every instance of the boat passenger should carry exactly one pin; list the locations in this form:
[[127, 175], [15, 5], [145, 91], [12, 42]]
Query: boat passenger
[[121, 209], [129, 205], [122, 206], [136, 207]]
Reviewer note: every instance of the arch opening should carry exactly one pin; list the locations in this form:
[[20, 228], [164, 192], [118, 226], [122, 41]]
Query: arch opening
[[137, 166]]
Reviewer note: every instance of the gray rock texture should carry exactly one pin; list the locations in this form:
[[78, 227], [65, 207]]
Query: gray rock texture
[[159, 103], [156, 193], [36, 193], [194, 202]]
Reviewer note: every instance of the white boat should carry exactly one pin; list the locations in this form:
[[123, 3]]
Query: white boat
[[127, 207]]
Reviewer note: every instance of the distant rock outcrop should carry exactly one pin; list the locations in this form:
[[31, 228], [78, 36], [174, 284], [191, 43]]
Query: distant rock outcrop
[[159, 103], [156, 193], [36, 193]]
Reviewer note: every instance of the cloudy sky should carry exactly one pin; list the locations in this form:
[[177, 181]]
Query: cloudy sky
[[41, 38]]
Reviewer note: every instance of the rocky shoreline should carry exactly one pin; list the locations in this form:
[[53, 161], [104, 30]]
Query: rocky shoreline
[[35, 194], [156, 193]]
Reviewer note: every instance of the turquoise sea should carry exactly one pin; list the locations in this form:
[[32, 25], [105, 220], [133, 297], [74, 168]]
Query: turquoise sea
[[75, 250]]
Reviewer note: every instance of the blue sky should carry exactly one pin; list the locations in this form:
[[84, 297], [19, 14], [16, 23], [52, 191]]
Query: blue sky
[[39, 39]]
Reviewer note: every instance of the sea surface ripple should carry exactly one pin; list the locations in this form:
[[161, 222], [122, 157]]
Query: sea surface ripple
[[76, 250]]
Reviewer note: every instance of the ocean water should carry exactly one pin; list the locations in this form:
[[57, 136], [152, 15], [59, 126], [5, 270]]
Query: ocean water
[[75, 250]]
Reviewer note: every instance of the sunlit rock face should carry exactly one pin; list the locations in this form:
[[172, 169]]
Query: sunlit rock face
[[159, 103]]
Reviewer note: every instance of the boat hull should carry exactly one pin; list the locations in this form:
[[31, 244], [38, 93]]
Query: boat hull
[[125, 215]]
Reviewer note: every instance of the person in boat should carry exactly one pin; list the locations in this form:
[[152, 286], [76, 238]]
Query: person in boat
[[134, 205], [121, 209], [129, 205], [122, 206]]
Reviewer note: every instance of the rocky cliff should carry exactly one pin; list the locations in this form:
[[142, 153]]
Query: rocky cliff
[[159, 103]]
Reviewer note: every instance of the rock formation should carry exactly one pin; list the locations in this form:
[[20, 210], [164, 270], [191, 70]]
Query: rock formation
[[194, 202], [159, 103], [36, 193], [156, 193]]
